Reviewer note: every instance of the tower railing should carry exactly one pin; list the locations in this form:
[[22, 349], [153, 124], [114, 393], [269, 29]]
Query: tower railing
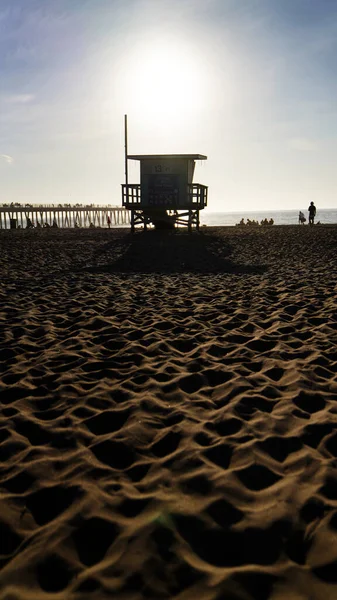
[[196, 196], [131, 194]]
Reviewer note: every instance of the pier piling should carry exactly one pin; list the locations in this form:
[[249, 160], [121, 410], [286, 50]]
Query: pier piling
[[13, 216]]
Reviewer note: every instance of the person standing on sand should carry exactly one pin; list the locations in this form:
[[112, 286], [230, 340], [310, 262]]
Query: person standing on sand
[[109, 222], [312, 213], [301, 218]]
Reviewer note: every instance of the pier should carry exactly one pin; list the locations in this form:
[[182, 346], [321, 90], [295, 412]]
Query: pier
[[14, 216]]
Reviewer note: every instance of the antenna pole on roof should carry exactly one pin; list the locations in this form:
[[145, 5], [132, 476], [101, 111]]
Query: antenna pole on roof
[[126, 147]]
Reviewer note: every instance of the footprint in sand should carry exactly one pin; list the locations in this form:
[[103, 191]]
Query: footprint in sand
[[115, 454], [132, 507], [92, 539], [107, 421], [54, 574], [167, 444], [48, 503], [313, 509], [279, 448], [309, 402], [225, 427], [220, 455], [20, 483], [224, 513], [315, 433], [228, 547], [257, 477]]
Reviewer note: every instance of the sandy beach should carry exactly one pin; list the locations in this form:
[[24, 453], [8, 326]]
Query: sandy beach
[[168, 414]]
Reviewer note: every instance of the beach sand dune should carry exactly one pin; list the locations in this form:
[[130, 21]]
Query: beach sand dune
[[168, 412]]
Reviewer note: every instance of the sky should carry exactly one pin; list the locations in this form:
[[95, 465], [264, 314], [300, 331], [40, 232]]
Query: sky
[[250, 83]]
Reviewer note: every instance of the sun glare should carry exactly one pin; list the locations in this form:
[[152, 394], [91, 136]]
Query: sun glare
[[164, 79]]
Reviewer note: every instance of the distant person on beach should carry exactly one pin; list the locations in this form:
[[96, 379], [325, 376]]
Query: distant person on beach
[[29, 223], [109, 222], [301, 218], [312, 213], [55, 224]]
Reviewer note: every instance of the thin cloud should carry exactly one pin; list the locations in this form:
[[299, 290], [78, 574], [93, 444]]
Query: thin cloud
[[6, 158], [19, 98]]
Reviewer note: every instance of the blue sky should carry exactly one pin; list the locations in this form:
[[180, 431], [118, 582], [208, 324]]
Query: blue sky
[[250, 83]]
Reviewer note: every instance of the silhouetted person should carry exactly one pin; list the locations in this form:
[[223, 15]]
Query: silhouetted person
[[109, 222], [55, 224], [301, 218], [312, 213], [29, 223]]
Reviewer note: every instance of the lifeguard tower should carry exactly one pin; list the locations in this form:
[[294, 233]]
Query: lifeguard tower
[[166, 195]]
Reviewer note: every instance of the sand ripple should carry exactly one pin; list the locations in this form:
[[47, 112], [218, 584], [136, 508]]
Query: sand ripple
[[168, 414]]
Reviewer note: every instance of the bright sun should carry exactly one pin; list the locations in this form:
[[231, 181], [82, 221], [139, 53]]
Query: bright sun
[[164, 78]]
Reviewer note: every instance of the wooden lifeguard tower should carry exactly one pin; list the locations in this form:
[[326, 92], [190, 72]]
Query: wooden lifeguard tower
[[166, 195]]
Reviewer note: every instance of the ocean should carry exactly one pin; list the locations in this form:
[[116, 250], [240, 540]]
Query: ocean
[[326, 216]]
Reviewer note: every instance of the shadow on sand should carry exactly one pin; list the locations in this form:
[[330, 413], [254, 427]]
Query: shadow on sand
[[169, 252]]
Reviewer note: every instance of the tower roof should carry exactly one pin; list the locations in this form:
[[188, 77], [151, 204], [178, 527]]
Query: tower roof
[[167, 156]]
